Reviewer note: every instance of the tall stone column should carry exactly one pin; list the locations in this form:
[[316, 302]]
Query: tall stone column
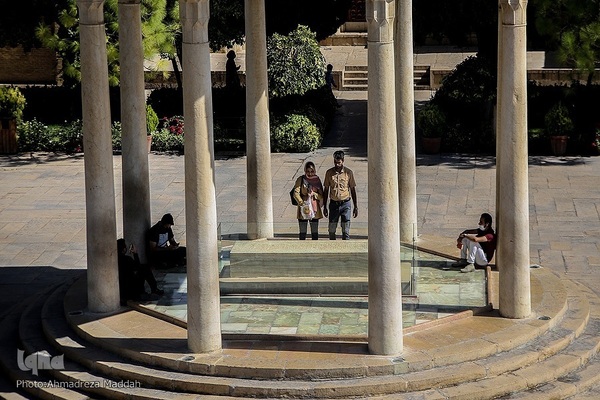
[[405, 121], [385, 291], [204, 320], [258, 145], [101, 229], [135, 176], [512, 164]]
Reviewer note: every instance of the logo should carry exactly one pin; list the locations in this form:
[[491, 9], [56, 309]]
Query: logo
[[39, 360]]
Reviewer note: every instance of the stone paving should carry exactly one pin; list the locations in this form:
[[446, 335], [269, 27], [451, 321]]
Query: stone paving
[[42, 216]]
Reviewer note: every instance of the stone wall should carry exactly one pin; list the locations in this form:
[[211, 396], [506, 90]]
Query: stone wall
[[39, 66]]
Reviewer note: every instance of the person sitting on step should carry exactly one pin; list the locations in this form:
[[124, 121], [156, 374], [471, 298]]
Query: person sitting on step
[[164, 250], [477, 246], [133, 274]]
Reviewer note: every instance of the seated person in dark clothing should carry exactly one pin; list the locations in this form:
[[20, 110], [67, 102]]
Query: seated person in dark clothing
[[163, 250], [132, 274]]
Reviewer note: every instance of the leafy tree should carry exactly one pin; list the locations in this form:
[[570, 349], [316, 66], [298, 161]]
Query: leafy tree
[[158, 30], [572, 26], [295, 62], [323, 17], [456, 21], [226, 25], [19, 19], [467, 97]]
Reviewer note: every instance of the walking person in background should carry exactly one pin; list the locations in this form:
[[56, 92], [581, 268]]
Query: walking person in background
[[308, 192], [329, 77], [477, 246], [339, 187], [232, 79]]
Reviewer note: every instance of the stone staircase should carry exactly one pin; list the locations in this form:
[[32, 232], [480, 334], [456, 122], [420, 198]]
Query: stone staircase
[[355, 77], [131, 355]]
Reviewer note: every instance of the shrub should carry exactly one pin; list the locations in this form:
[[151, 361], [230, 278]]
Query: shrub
[[72, 137], [116, 133], [151, 119], [295, 62], [467, 98], [558, 122], [12, 103], [163, 140], [173, 125], [33, 136], [431, 121], [294, 133], [166, 102], [36, 136], [170, 136]]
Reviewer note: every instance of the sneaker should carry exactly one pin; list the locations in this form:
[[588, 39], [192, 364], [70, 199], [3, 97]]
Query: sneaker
[[468, 268], [459, 264]]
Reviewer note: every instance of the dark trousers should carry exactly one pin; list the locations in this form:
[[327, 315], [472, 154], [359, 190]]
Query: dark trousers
[[314, 228], [337, 210], [167, 258], [132, 278]]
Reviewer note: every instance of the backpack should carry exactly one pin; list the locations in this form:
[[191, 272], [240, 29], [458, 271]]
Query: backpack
[[292, 198]]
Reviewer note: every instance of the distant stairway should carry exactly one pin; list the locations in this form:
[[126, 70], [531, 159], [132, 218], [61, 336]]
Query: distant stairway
[[551, 355], [355, 77]]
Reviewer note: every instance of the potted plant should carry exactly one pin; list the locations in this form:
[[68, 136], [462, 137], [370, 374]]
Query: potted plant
[[12, 104], [151, 124], [559, 126], [431, 122]]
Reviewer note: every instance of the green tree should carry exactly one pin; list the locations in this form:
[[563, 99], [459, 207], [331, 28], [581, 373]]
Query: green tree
[[295, 62], [226, 24], [572, 27], [323, 17], [19, 19], [158, 30], [456, 21]]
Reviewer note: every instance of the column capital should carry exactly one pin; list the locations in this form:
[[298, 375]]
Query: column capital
[[380, 20], [194, 15], [513, 12], [91, 12]]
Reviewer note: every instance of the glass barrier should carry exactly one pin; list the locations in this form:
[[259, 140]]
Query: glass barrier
[[286, 285], [288, 265]]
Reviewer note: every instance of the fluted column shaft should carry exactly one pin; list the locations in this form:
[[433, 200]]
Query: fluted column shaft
[[101, 230], [204, 321], [258, 146], [405, 121], [512, 164], [135, 176], [385, 289]]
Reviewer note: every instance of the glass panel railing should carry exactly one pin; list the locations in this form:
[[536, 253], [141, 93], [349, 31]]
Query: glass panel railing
[[284, 264], [283, 284]]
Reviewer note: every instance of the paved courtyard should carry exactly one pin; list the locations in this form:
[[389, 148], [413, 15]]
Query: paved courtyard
[[42, 204], [42, 211]]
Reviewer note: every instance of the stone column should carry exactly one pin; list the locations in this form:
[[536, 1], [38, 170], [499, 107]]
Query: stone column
[[136, 181], [385, 291], [101, 229], [258, 145], [204, 320], [405, 121], [512, 164]]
